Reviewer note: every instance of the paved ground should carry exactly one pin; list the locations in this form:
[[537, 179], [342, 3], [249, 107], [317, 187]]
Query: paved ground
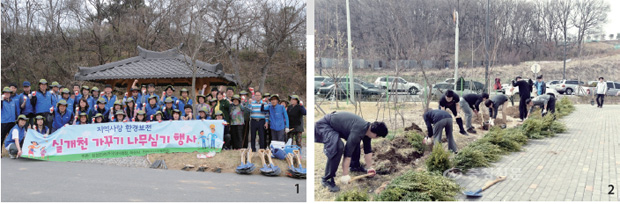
[[28, 180], [576, 166]]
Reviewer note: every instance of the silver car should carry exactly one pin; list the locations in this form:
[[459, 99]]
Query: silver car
[[568, 87], [613, 88]]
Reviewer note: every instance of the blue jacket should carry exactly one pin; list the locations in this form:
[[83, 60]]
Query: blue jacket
[[9, 111], [44, 102], [151, 111], [174, 102], [28, 107], [70, 103], [103, 112], [9, 138], [145, 98], [92, 102], [61, 119], [136, 100], [55, 98], [44, 131], [278, 118], [182, 103], [109, 102]]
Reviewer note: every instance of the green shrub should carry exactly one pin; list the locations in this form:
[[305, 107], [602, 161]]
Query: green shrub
[[352, 196], [491, 151], [420, 186], [469, 158], [537, 127], [498, 137], [515, 134], [439, 160], [416, 139], [564, 107]]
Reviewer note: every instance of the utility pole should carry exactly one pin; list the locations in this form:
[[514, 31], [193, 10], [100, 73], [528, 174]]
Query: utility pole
[[486, 51], [351, 82], [564, 71], [456, 48]]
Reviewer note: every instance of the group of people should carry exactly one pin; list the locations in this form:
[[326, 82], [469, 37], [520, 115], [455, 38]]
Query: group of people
[[49, 108]]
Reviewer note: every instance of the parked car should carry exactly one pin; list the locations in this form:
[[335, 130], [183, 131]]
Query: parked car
[[403, 85], [340, 91], [613, 88], [568, 86], [317, 82], [330, 81], [440, 88], [551, 84]]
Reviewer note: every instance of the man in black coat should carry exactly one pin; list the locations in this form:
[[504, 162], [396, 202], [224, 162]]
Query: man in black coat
[[335, 126], [450, 101], [525, 88]]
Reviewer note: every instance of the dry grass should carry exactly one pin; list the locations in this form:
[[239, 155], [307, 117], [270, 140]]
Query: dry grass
[[413, 113]]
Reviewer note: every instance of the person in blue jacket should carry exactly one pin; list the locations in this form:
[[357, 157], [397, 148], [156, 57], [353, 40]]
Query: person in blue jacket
[[94, 97], [168, 109], [55, 93], [15, 140], [62, 116], [278, 119], [98, 118], [108, 96], [152, 107], [84, 93], [203, 114], [119, 116], [65, 95], [9, 111], [101, 109], [169, 93], [42, 101], [147, 96], [24, 100], [184, 100], [82, 119], [39, 125]]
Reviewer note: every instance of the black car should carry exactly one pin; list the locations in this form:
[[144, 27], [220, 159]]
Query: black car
[[361, 91]]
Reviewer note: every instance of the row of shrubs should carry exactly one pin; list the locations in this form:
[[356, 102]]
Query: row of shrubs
[[430, 185]]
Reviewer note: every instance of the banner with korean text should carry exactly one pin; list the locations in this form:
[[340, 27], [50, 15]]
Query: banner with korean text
[[107, 140]]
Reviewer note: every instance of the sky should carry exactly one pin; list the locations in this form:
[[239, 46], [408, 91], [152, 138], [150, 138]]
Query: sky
[[613, 18]]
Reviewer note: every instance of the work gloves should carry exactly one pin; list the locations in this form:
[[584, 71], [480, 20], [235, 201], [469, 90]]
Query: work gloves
[[345, 179]]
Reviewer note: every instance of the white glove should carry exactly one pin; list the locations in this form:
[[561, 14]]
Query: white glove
[[492, 123], [345, 179], [544, 111], [287, 130]]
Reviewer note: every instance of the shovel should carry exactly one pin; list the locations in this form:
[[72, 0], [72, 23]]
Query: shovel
[[243, 165], [477, 194], [300, 169], [276, 169], [266, 169]]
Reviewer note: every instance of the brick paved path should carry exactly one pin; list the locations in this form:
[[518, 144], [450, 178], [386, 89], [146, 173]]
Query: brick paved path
[[575, 166]]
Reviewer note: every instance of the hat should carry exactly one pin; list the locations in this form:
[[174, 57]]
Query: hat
[[141, 112], [236, 97], [130, 99], [117, 102], [200, 95], [98, 115], [86, 87], [108, 86], [168, 100], [22, 117], [266, 95], [213, 100], [274, 96], [158, 113], [83, 114], [176, 111], [120, 112], [243, 93], [152, 97], [296, 97], [218, 113], [6, 89], [379, 128], [94, 89], [169, 87], [184, 90], [101, 100], [55, 84], [65, 91], [539, 77], [26, 83], [39, 117], [62, 102], [42, 81], [203, 109]]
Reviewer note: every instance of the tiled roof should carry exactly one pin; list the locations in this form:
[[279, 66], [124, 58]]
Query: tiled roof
[[151, 64]]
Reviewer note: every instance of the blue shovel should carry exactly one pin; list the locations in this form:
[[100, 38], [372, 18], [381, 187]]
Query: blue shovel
[[477, 194]]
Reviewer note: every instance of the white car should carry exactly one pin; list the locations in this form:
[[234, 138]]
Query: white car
[[403, 85]]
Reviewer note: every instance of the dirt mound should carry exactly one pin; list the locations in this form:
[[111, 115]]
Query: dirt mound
[[512, 111], [499, 121], [390, 156], [414, 127]]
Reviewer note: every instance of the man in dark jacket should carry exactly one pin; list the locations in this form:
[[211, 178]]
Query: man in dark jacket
[[525, 88], [450, 101], [495, 105], [471, 103], [436, 122], [296, 114], [344, 125]]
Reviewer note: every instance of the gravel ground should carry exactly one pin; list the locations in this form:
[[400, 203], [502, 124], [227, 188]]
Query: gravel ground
[[138, 161]]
